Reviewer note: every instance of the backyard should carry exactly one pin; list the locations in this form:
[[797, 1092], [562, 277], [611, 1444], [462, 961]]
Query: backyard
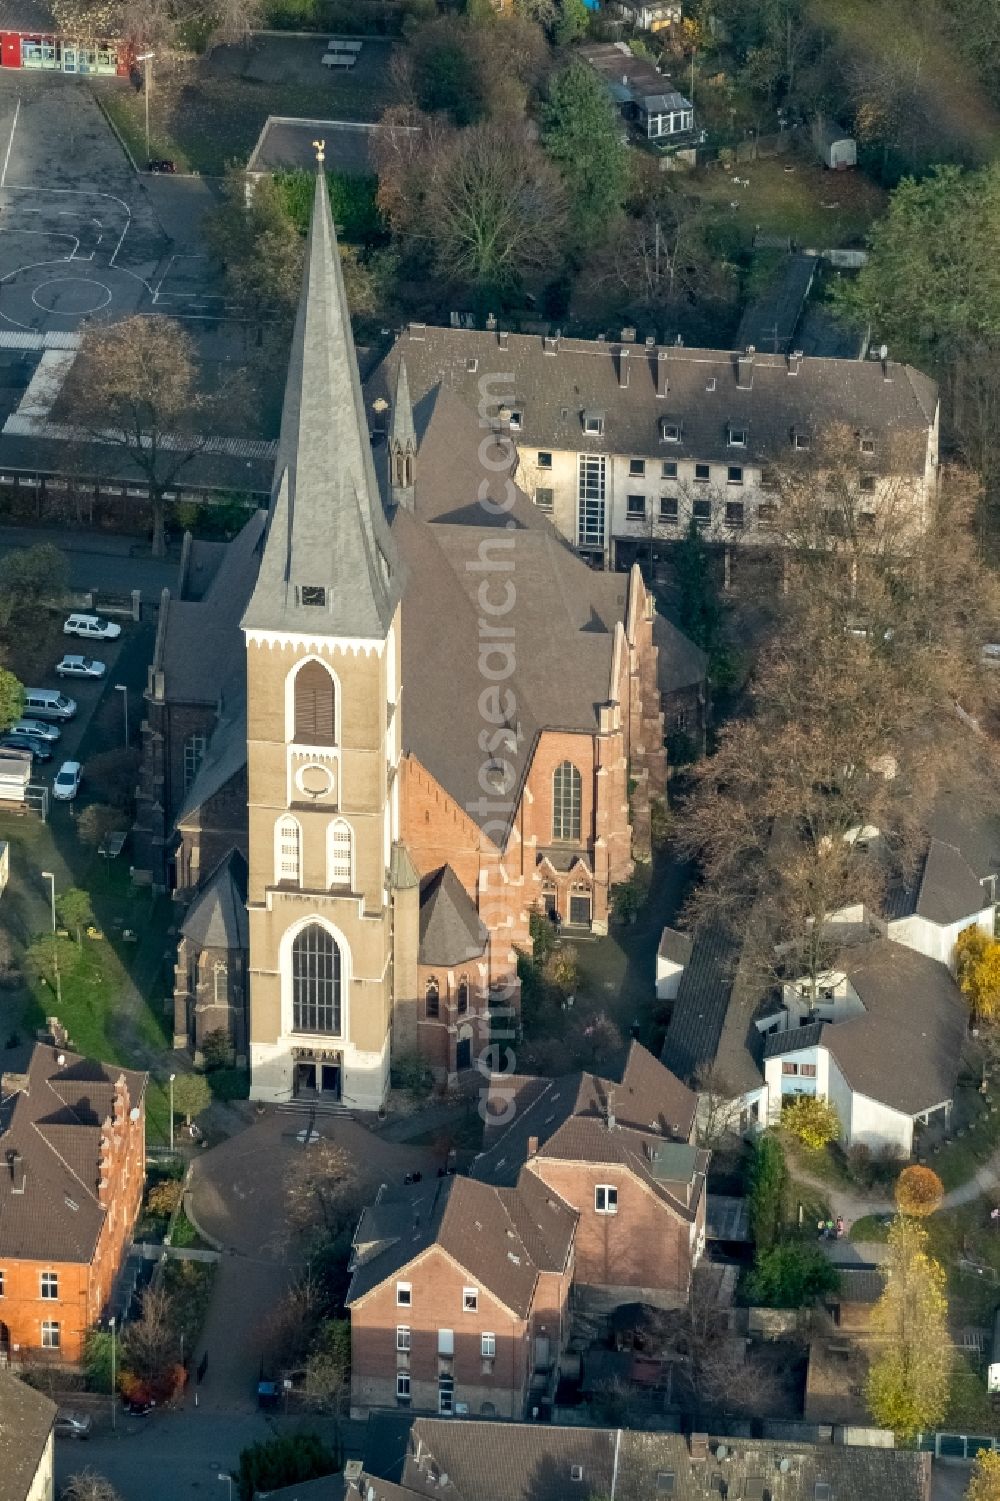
[[207, 112]]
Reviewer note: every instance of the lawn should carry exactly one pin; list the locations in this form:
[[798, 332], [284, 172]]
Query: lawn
[[978, 1121], [207, 112], [788, 196]]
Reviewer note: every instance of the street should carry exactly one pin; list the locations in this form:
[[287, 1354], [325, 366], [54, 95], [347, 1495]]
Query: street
[[98, 560]]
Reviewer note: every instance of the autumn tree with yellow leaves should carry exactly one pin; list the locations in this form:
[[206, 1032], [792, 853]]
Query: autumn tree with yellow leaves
[[977, 965], [919, 1191], [985, 1482], [909, 1379]]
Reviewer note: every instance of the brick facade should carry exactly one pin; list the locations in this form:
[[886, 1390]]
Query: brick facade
[[526, 1349]]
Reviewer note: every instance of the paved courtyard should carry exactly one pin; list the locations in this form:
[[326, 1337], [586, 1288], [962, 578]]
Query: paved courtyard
[[81, 236], [238, 1198]]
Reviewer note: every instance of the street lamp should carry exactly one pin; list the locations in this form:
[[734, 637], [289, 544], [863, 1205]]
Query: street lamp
[[48, 876], [112, 1322], [122, 688], [172, 1078], [147, 79], [230, 1479]]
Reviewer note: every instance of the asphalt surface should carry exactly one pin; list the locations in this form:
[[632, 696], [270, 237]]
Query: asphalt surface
[[98, 561]]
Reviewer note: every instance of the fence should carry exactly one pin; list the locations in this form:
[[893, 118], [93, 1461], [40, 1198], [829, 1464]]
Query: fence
[[957, 1445]]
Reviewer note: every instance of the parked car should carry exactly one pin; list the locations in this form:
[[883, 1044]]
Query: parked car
[[73, 1424], [67, 782], [40, 749], [36, 727], [80, 667], [92, 627], [48, 703]]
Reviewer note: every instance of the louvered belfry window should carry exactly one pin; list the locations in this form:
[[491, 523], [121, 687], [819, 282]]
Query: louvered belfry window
[[315, 706]]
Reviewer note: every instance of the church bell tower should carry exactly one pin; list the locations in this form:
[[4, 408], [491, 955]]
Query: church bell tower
[[322, 643]]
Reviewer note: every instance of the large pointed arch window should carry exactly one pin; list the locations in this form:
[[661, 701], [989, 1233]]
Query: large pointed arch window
[[315, 980], [288, 852], [338, 853], [566, 799], [315, 705]]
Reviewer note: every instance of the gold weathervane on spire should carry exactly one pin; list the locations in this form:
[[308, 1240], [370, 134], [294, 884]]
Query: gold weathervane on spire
[[320, 151]]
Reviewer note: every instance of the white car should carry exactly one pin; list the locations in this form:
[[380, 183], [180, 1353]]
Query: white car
[[36, 727], [80, 667], [93, 627], [67, 782]]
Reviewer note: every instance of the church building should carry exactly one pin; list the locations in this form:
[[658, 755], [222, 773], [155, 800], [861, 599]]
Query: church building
[[391, 719]]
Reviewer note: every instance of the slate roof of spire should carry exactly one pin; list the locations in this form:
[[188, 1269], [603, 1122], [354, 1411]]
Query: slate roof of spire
[[326, 531], [451, 930], [403, 431], [217, 918]]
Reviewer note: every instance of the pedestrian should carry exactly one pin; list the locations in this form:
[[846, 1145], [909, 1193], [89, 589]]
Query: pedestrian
[[202, 1367]]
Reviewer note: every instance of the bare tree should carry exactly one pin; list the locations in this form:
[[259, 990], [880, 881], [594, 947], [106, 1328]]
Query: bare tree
[[88, 1485], [289, 1328], [858, 715], [135, 389], [150, 1345], [322, 1194]]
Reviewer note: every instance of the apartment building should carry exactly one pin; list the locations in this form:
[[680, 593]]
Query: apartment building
[[623, 443]]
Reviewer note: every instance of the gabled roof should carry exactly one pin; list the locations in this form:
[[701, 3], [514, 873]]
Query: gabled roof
[[711, 1025], [642, 1123], [502, 1238], [326, 529], [50, 1130], [451, 930], [555, 381], [217, 918], [680, 663], [26, 1420]]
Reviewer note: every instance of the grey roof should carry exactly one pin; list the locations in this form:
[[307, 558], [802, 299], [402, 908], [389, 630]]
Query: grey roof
[[482, 1461], [680, 664], [286, 144], [769, 323], [27, 16], [949, 887], [55, 1124], [326, 528], [962, 851], [712, 1020], [217, 918], [26, 1419], [501, 1236], [905, 1050], [552, 390], [790, 1041], [226, 754], [451, 930], [326, 1488], [727, 1217], [632, 78], [860, 1284], [568, 1118], [404, 433], [675, 946]]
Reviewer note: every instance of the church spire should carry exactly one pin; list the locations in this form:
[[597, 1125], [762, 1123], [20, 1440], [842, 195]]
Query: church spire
[[402, 442], [328, 566]]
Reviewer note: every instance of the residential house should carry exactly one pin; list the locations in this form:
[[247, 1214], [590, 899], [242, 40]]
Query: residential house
[[458, 1297], [621, 1153], [72, 1169], [27, 1419], [623, 443], [412, 709], [640, 91], [414, 1458]]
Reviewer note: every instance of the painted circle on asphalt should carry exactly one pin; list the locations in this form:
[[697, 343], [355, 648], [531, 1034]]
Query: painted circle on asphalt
[[73, 296]]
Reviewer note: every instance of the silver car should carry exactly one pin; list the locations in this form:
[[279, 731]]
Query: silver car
[[80, 667]]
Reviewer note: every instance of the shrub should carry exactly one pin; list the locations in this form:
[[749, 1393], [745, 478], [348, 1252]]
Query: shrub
[[411, 1073], [115, 773], [96, 822], [97, 1359], [768, 1188], [216, 1049], [790, 1276], [561, 968], [543, 936], [811, 1120], [919, 1191], [287, 1459], [163, 1198]]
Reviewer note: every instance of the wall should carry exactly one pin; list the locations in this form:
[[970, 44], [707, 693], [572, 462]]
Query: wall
[[438, 1284], [43, 1486], [935, 941]]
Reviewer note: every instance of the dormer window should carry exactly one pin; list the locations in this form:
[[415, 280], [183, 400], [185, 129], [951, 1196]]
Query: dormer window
[[670, 432], [313, 595], [800, 440], [737, 437], [593, 424], [867, 446]]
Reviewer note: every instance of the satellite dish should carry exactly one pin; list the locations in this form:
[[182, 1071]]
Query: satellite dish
[[134, 1113], [721, 1451], [784, 1466], [61, 1059]]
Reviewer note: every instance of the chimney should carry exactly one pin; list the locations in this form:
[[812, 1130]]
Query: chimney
[[491, 323], [550, 343], [418, 330], [18, 1175], [744, 369], [628, 335], [886, 370], [623, 369], [532, 1146], [610, 1110], [502, 337], [698, 1445], [662, 383], [794, 361]]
